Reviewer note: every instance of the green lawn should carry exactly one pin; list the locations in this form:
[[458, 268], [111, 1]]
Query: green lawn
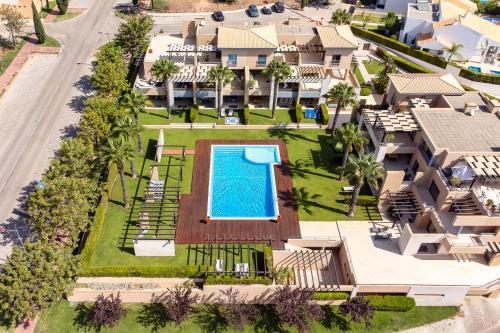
[[371, 18], [52, 5], [140, 318], [373, 66], [9, 55], [257, 117], [358, 75], [314, 166]]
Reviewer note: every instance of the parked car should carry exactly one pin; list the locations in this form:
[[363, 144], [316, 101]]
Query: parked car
[[218, 16], [253, 11], [266, 10], [279, 7], [351, 10]]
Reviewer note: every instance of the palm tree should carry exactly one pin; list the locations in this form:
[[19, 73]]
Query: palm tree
[[345, 139], [279, 71], [221, 76], [389, 65], [453, 50], [136, 102], [117, 151], [364, 18], [345, 95], [164, 70], [127, 128], [340, 16], [357, 169]]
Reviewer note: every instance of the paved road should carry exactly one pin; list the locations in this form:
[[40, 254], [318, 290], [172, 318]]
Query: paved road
[[42, 106]]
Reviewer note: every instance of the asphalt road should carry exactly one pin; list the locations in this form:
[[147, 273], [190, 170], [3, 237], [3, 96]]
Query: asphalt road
[[30, 137]]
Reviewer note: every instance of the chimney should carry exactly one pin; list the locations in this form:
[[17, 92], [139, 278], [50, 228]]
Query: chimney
[[470, 108]]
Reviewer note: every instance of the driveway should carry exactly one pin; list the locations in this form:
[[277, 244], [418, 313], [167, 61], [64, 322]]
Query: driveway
[[43, 105]]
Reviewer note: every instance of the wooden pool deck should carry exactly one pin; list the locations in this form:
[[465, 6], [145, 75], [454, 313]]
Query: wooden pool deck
[[192, 227]]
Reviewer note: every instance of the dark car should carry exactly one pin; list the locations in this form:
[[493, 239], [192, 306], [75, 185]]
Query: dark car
[[352, 9], [218, 16], [279, 7], [351, 2], [266, 10], [253, 11]]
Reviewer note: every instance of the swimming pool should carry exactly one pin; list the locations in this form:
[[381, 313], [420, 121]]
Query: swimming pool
[[475, 69], [242, 183]]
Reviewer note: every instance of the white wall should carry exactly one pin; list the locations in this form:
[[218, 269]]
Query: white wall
[[412, 27], [460, 34], [154, 248], [438, 295], [396, 6]]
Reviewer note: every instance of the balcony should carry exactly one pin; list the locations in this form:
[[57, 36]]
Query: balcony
[[488, 196], [464, 244]]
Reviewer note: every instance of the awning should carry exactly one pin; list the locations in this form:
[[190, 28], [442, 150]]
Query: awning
[[486, 167], [390, 121]]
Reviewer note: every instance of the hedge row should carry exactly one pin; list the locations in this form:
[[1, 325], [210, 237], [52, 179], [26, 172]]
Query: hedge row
[[479, 77], [99, 217], [398, 46], [403, 63], [165, 271], [324, 113], [366, 90], [268, 257], [391, 302], [246, 115], [193, 113], [330, 295], [229, 279], [299, 115]]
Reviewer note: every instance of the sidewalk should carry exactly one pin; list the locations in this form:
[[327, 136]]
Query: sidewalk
[[28, 48], [54, 12], [26, 329]]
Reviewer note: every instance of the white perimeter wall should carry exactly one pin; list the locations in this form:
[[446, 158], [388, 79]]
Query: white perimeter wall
[[460, 34], [413, 27], [438, 295], [154, 248], [397, 6]]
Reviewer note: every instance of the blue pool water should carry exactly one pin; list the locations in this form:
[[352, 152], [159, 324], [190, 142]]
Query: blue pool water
[[495, 72], [475, 69], [242, 184]]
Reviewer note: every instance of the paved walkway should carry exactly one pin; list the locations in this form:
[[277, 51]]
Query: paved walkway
[[28, 48], [51, 17], [177, 152], [30, 328]]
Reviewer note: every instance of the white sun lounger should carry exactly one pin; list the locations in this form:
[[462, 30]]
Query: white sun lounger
[[219, 263]]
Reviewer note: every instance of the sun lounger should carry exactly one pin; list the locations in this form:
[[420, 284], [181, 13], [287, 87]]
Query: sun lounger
[[230, 113], [378, 229], [246, 269], [237, 269], [219, 265], [232, 121], [222, 112], [348, 188], [383, 235]]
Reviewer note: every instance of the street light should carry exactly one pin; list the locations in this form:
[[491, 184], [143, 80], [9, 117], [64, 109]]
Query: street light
[[105, 33]]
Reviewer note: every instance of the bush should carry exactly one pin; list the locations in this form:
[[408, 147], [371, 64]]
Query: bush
[[330, 295], [324, 114], [229, 279], [404, 64], [391, 302], [166, 271], [298, 113], [479, 77], [268, 256], [193, 113], [398, 46], [365, 91], [246, 115]]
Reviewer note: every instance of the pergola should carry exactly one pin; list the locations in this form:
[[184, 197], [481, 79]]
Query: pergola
[[306, 74], [485, 167], [465, 206], [305, 48], [403, 202], [391, 122]]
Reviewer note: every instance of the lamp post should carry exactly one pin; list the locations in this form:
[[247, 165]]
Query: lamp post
[[105, 33]]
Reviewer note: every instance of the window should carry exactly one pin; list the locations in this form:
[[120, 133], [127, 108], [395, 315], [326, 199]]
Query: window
[[434, 191], [415, 167], [426, 151], [335, 60], [232, 59], [261, 60]]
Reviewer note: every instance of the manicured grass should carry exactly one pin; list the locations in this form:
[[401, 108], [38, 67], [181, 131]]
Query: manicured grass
[[50, 42], [257, 117], [358, 75], [9, 55], [371, 18], [314, 173], [45, 11], [373, 66], [66, 16], [61, 318], [52, 5]]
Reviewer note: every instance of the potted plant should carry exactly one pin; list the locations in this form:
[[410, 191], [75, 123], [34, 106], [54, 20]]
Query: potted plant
[[251, 83], [489, 203], [454, 181]]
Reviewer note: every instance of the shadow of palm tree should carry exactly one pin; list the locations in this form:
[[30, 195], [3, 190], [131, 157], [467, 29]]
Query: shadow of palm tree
[[286, 135], [301, 198]]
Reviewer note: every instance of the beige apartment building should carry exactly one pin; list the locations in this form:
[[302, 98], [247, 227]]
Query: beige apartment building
[[319, 56], [23, 6], [441, 153]]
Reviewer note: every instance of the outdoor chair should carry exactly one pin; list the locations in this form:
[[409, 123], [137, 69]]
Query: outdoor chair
[[237, 269], [246, 269], [348, 188], [383, 235], [230, 112], [219, 263], [222, 112], [378, 229]]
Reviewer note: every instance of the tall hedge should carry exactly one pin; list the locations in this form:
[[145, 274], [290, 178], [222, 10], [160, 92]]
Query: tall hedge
[[39, 30], [324, 113], [246, 115], [479, 77], [404, 64], [299, 115], [398, 46], [391, 302], [63, 6], [193, 113]]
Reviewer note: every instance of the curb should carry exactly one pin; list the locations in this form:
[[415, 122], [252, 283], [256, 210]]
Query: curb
[[153, 14]]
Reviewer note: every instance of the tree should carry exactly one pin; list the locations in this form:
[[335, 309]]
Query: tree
[[132, 35], [357, 169], [391, 22], [61, 210], [13, 22], [294, 307], [94, 129], [164, 70], [345, 139], [235, 309], [453, 50], [221, 76], [136, 102], [118, 151], [178, 303], [76, 158], [381, 81], [62, 5], [33, 279], [345, 95], [127, 128], [340, 17], [107, 311], [278, 71], [110, 74], [359, 309], [364, 18]]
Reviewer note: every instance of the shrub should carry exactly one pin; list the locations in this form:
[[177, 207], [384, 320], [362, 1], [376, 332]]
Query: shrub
[[398, 46], [324, 113], [144, 271], [268, 255], [246, 115], [359, 308], [330, 295], [285, 275], [107, 311], [479, 77], [391, 302], [404, 64], [298, 113], [365, 91], [235, 309], [193, 113], [455, 181], [178, 303], [234, 280]]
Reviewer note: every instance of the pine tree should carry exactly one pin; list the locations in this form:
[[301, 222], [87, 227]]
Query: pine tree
[[39, 30], [63, 6]]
